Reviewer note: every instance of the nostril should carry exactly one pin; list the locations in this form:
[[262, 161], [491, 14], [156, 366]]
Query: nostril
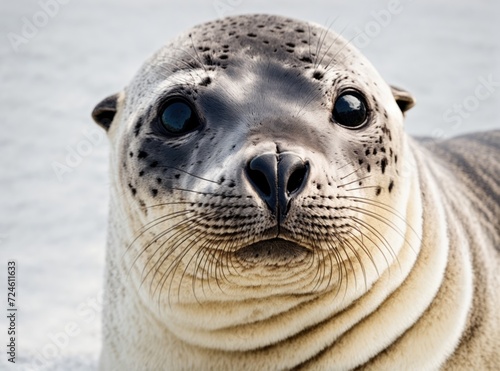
[[261, 172], [260, 181], [296, 179]]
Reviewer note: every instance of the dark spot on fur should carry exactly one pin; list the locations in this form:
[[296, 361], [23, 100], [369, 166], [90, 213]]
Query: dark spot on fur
[[223, 56], [391, 186], [131, 154], [158, 180], [132, 189], [141, 173], [291, 45], [153, 164], [177, 176], [306, 59], [368, 168], [154, 192], [383, 164], [317, 75], [207, 59], [137, 127], [206, 81], [251, 34], [360, 161], [378, 191], [142, 155]]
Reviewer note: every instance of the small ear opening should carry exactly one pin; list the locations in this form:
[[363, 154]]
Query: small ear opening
[[104, 113], [403, 98]]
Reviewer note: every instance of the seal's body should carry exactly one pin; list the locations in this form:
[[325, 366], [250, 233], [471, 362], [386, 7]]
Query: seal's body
[[268, 212]]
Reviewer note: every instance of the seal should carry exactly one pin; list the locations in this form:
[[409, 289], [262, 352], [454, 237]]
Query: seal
[[269, 212]]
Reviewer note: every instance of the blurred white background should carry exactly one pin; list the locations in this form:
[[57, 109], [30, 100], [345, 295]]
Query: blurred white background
[[53, 72]]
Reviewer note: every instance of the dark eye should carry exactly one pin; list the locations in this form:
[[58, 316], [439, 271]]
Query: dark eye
[[178, 117], [350, 110]]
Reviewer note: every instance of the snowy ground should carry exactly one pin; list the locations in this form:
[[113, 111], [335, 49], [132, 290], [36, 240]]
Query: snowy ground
[[54, 227]]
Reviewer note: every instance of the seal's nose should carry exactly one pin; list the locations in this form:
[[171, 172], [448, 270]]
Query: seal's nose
[[277, 179]]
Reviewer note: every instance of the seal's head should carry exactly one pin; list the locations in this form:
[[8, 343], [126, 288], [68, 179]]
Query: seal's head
[[257, 160]]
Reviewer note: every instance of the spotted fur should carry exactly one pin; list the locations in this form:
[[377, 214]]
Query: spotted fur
[[387, 257]]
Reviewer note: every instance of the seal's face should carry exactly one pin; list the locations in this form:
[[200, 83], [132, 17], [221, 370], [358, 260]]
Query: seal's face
[[258, 163]]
